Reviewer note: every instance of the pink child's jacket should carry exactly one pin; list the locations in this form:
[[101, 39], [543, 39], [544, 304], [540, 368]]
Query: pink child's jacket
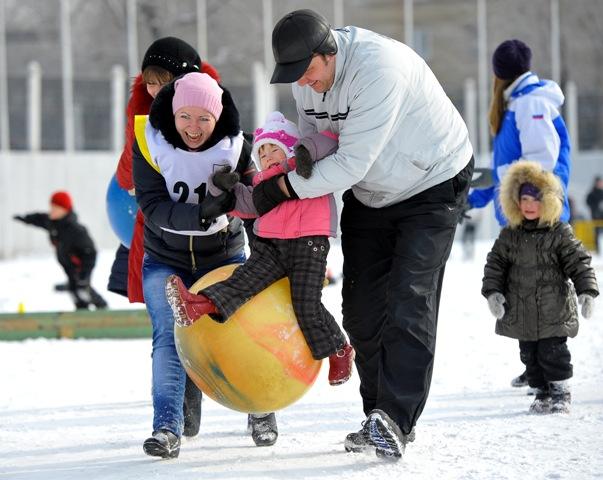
[[293, 218]]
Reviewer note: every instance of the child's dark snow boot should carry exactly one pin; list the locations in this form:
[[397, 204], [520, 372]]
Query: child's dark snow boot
[[520, 381], [542, 402], [263, 429], [561, 397]]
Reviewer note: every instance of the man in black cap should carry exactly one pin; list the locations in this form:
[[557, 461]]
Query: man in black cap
[[405, 159]]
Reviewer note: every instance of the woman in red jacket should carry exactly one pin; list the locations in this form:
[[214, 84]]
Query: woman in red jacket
[[165, 59]]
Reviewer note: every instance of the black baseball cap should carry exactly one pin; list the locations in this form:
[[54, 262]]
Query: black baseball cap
[[295, 39]]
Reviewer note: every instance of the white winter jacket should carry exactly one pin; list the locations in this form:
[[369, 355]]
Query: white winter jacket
[[399, 134]]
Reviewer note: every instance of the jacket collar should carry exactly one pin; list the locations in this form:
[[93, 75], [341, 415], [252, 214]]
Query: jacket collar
[[520, 83]]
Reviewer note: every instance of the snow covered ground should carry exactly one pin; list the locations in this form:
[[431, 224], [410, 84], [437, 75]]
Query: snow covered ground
[[80, 409]]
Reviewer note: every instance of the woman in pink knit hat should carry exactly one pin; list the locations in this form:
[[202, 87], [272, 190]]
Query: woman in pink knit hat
[[292, 241], [192, 131]]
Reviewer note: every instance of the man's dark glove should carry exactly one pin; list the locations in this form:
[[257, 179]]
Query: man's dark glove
[[224, 180], [303, 161], [214, 206], [267, 195], [19, 218]]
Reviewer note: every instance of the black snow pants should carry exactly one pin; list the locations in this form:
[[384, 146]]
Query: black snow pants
[[394, 259], [546, 360]]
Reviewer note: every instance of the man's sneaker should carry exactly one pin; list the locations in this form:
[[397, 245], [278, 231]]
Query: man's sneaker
[[383, 433], [357, 443], [561, 397], [162, 444], [542, 402], [263, 429], [191, 408], [520, 381], [340, 365], [186, 306]]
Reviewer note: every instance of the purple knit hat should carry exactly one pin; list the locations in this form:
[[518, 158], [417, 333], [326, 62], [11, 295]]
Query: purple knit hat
[[530, 189], [278, 131], [198, 90], [510, 59]]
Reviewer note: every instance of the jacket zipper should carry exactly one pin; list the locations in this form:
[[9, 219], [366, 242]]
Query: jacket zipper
[[190, 246]]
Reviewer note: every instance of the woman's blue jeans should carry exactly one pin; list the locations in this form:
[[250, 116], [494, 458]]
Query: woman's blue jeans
[[169, 377]]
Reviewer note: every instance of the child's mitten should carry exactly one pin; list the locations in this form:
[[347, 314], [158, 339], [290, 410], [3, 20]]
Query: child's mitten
[[495, 304], [588, 304]]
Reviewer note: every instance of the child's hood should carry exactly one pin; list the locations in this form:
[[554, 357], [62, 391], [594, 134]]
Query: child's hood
[[551, 193]]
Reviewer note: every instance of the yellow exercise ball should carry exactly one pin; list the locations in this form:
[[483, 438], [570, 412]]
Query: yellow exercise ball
[[256, 362]]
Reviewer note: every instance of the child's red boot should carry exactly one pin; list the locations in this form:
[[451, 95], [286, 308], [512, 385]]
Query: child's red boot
[[186, 306], [340, 365]]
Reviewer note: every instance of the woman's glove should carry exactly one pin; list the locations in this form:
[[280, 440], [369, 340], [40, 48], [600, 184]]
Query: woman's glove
[[214, 206], [495, 304], [223, 180], [588, 304]]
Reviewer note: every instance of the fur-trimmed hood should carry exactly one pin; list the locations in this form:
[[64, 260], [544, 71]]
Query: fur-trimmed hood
[[162, 118], [551, 193]]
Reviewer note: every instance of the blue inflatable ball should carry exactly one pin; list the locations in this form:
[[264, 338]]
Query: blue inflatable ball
[[121, 210]]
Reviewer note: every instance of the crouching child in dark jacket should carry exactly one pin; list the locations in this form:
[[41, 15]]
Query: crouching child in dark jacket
[[526, 282], [74, 248]]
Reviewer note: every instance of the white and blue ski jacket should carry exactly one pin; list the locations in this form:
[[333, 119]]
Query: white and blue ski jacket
[[532, 129]]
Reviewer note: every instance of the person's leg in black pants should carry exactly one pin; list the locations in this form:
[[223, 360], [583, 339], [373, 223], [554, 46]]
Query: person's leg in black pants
[[394, 261], [528, 353]]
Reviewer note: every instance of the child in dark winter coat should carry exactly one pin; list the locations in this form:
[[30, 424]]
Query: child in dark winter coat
[[292, 240], [74, 247], [526, 282]]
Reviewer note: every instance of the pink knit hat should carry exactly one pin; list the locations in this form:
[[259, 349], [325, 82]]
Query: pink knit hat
[[278, 131], [198, 90]]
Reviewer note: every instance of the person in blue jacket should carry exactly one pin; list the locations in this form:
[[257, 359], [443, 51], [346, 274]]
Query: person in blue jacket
[[526, 123]]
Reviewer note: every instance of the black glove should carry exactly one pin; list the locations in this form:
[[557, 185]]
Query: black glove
[[224, 179], [303, 161], [212, 207], [19, 218], [267, 195]]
